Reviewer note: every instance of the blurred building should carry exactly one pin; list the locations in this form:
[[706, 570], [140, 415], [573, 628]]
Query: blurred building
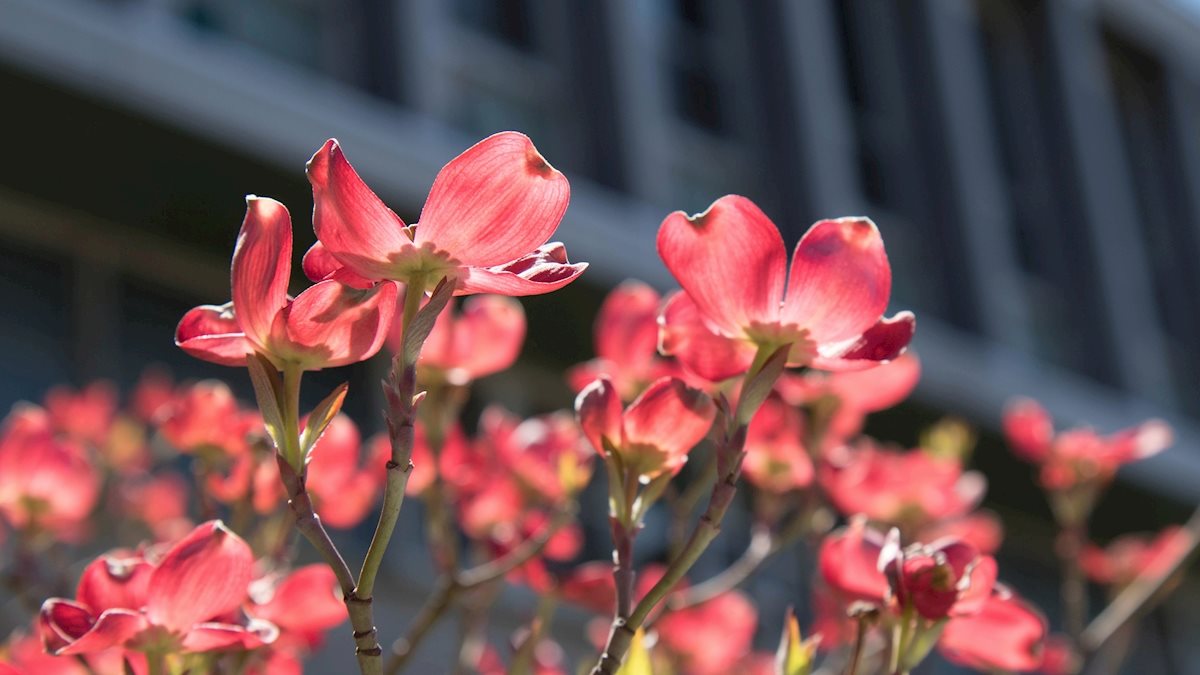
[[1034, 165]]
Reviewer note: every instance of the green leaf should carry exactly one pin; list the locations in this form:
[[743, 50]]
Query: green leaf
[[320, 418], [268, 389], [795, 656], [759, 383], [422, 323]]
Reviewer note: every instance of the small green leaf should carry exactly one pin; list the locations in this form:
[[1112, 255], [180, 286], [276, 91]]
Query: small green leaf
[[320, 418], [422, 323], [795, 656], [268, 389], [637, 660]]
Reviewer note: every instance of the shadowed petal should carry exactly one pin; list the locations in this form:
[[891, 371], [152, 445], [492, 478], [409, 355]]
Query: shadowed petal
[[352, 223], [627, 327], [840, 280], [204, 575], [212, 635], [1006, 634], [669, 418], [684, 334], [320, 265], [331, 324], [262, 266], [545, 269], [731, 261], [212, 333], [307, 601], [495, 202], [883, 342], [68, 629], [598, 408], [114, 582]]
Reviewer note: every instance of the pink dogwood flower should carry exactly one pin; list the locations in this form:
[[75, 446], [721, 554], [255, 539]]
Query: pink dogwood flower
[[181, 602], [731, 262], [1134, 555], [939, 580], [655, 433], [1078, 455], [329, 324], [482, 339], [45, 481], [626, 340], [484, 225], [710, 638], [776, 459]]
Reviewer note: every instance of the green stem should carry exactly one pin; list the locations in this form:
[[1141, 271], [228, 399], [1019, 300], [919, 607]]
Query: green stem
[[156, 662], [401, 416]]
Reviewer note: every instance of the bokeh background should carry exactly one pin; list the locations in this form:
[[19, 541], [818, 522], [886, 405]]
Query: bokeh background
[[1034, 166]]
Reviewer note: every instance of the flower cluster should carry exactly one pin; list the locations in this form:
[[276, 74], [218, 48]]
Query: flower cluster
[[757, 367]]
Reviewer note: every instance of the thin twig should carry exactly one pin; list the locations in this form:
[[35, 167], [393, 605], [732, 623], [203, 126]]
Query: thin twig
[[1141, 596]]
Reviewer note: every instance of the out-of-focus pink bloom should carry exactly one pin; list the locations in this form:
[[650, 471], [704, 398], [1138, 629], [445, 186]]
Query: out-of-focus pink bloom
[[329, 324], [152, 394], [491, 510], [655, 433], [858, 393], [203, 414], [1133, 555], [343, 490], [939, 580], [831, 624], [546, 454], [484, 225], [24, 655], [590, 585], [757, 664], [776, 459], [161, 502], [1006, 634], [1078, 455], [1059, 656], [304, 604], [85, 415], [909, 488], [848, 561], [981, 529], [712, 637], [548, 659], [183, 597], [626, 339], [732, 265], [484, 338], [44, 481]]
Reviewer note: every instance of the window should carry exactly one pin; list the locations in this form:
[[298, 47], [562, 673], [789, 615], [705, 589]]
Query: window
[[1053, 246], [903, 166], [1152, 149]]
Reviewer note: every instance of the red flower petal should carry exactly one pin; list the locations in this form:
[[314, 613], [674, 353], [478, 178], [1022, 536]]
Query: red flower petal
[[205, 637], [262, 266], [307, 601], [352, 223], [114, 582], [1006, 634], [484, 339], [883, 342], [731, 261], [212, 333], [627, 326], [497, 201], [204, 575], [67, 628], [331, 324], [840, 280], [662, 425], [684, 334], [849, 563], [541, 271], [1029, 429], [598, 407]]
